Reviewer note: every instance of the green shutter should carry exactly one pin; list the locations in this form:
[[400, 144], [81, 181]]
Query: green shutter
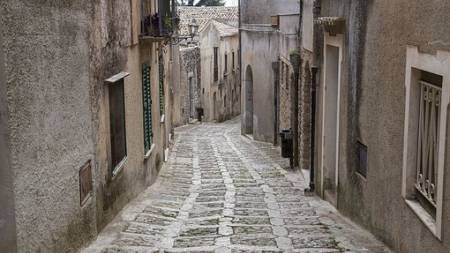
[[147, 104], [161, 85]]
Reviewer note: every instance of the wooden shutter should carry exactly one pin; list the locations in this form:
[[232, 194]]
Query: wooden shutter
[[147, 104], [161, 85]]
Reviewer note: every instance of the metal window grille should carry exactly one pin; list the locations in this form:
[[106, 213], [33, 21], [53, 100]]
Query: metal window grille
[[161, 85], [427, 149], [147, 104]]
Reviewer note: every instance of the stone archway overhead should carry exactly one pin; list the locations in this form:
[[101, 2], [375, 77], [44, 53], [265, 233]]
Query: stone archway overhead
[[332, 25]]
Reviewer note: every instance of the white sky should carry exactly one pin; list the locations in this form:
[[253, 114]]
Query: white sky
[[227, 2], [231, 2]]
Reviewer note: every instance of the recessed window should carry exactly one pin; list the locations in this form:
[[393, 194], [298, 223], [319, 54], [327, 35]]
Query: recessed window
[[216, 64], [118, 137], [427, 100], [361, 167], [85, 177]]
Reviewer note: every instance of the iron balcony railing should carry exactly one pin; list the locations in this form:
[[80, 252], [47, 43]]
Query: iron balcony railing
[[163, 23], [427, 149]]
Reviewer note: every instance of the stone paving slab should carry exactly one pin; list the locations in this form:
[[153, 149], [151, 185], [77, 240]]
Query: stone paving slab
[[221, 192]]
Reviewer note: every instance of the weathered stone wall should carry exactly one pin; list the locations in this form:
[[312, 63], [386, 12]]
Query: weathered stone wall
[[285, 95], [57, 57], [114, 50], [373, 112], [262, 46], [7, 214], [176, 89], [190, 82], [260, 11], [263, 81], [46, 46], [304, 116], [305, 84], [221, 98]]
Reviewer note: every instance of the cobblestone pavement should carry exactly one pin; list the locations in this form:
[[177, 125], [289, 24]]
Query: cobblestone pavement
[[221, 192]]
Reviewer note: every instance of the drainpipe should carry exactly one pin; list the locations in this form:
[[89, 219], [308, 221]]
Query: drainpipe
[[312, 186], [317, 39], [295, 60]]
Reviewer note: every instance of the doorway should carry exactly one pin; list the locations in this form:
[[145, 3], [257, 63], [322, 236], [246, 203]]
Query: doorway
[[191, 99], [214, 106], [330, 127], [248, 115]]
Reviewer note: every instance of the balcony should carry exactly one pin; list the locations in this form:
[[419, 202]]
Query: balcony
[[160, 25]]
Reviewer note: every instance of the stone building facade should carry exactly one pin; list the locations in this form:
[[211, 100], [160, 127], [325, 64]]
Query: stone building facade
[[382, 80], [269, 32], [190, 83], [305, 70], [220, 90], [217, 99], [84, 106]]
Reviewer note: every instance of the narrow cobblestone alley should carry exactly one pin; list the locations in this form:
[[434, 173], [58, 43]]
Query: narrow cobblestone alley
[[221, 192]]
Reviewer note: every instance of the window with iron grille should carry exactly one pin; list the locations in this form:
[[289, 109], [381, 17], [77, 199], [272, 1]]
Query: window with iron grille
[[216, 64], [425, 136], [147, 105], [427, 141], [161, 85]]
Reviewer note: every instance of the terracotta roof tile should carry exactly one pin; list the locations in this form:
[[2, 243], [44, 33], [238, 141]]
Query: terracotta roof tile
[[225, 15]]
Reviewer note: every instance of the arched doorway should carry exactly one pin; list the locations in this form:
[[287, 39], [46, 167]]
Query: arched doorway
[[248, 115]]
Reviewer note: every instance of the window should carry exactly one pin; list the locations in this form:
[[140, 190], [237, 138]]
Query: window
[[232, 60], [427, 98], [427, 143], [226, 63], [85, 181], [117, 121], [216, 64], [239, 58], [147, 105], [361, 167], [161, 85], [287, 77]]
